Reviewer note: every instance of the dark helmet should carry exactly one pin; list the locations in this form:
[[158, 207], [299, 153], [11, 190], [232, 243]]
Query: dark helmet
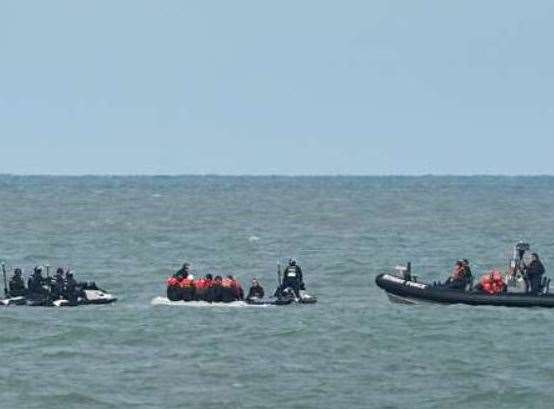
[[535, 255], [186, 266], [17, 271], [230, 277], [59, 271], [38, 270], [292, 262], [218, 278], [209, 276]]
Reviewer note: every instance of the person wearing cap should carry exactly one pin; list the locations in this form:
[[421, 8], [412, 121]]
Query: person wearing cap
[[255, 291], [533, 274], [17, 285]]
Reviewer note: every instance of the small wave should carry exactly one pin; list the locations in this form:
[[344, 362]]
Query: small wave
[[203, 304], [253, 239]]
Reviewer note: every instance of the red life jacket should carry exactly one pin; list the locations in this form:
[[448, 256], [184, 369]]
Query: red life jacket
[[187, 282], [236, 287], [200, 283], [172, 282], [227, 283]]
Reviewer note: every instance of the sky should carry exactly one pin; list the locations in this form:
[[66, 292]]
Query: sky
[[276, 87]]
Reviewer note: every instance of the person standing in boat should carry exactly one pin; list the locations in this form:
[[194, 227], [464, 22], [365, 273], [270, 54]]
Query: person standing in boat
[[71, 291], [58, 286], [36, 285], [17, 285], [533, 274], [292, 278]]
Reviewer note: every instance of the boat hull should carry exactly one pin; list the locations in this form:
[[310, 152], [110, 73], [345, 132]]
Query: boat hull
[[410, 292]]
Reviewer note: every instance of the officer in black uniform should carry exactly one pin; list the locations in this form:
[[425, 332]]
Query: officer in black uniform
[[292, 278], [36, 285], [17, 285], [533, 274]]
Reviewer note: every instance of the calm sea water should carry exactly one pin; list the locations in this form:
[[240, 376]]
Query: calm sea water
[[352, 350]]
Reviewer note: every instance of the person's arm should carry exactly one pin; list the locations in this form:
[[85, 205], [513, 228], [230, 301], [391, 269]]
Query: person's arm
[[262, 294]]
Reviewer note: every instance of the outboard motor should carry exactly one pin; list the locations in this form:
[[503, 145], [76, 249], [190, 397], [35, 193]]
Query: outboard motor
[[405, 272], [515, 280], [517, 259]]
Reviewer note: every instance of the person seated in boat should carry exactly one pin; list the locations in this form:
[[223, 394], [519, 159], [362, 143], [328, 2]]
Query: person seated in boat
[[237, 288], [491, 283], [217, 289], [457, 279], [187, 287], [256, 291], [17, 285], [533, 274], [230, 289], [174, 290], [292, 278], [203, 288], [36, 285]]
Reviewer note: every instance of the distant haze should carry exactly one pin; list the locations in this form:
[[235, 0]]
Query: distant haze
[[282, 87]]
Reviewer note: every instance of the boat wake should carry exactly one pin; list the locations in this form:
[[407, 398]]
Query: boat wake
[[203, 304]]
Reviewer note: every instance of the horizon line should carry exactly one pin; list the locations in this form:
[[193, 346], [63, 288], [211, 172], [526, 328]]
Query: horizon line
[[261, 175]]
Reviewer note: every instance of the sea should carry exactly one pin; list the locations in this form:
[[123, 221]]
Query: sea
[[353, 349]]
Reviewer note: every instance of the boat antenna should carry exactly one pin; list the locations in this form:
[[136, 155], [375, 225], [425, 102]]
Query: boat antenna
[[5, 279]]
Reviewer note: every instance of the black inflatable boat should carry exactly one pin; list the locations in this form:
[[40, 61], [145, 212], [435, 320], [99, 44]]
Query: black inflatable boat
[[408, 291], [87, 297]]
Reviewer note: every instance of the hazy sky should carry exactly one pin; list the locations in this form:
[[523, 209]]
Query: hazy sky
[[285, 87]]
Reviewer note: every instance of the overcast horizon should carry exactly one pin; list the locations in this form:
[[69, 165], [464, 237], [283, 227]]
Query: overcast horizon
[[276, 88]]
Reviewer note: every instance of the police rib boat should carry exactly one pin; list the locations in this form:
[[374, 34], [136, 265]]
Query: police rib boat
[[405, 288], [405, 291]]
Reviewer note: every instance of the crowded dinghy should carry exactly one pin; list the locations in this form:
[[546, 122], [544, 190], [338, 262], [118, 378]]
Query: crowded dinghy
[[61, 290], [523, 284], [184, 287]]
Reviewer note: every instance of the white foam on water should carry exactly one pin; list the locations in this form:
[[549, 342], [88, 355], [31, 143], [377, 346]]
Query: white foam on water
[[252, 239], [203, 304]]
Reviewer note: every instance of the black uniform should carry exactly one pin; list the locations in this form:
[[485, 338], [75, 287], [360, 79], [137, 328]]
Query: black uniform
[[58, 285], [71, 291], [534, 272], [17, 286], [292, 277], [256, 291], [35, 285]]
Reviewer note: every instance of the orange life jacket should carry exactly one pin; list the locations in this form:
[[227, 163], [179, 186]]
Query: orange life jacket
[[200, 283], [187, 282], [172, 282]]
